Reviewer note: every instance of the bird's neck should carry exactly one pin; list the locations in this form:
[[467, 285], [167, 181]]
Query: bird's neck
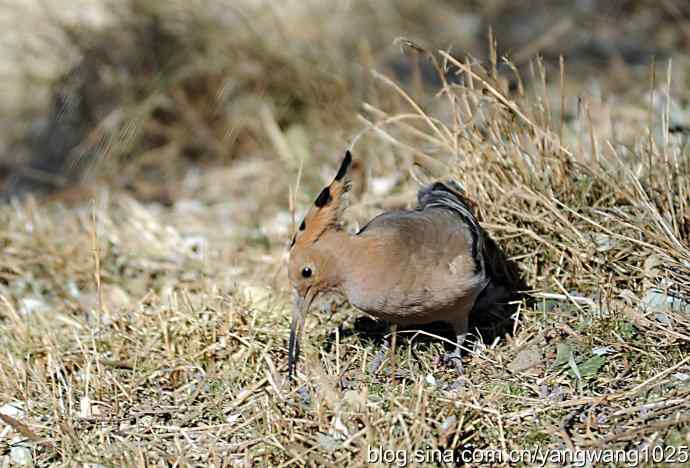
[[344, 249], [357, 262]]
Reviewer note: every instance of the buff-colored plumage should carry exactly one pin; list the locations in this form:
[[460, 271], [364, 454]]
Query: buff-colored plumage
[[434, 263]]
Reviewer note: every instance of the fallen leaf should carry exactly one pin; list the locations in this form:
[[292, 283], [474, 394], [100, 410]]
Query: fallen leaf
[[591, 366], [563, 353]]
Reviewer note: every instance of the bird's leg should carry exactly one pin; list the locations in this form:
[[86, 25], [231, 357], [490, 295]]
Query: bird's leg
[[394, 332], [380, 356], [460, 328]]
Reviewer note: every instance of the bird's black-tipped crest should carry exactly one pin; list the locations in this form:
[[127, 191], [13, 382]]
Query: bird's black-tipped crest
[[323, 198], [328, 207], [344, 166]]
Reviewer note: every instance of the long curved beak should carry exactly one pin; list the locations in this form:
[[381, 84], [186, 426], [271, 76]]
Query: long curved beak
[[301, 308]]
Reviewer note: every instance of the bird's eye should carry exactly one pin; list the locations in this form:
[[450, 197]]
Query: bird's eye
[[306, 272]]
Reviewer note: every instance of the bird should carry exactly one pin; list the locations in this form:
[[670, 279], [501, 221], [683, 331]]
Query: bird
[[408, 267]]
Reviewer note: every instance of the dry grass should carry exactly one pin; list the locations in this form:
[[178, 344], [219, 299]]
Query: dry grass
[[139, 332]]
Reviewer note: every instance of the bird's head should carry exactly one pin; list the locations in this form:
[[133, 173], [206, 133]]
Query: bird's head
[[312, 265]]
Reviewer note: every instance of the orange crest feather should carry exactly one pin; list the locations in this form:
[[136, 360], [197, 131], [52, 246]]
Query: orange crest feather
[[328, 207]]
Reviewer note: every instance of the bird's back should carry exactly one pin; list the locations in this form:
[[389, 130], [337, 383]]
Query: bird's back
[[442, 227]]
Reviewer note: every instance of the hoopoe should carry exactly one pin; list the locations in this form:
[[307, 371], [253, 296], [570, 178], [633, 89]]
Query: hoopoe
[[409, 267]]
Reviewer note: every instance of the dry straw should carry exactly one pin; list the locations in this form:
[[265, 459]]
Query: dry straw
[[136, 333]]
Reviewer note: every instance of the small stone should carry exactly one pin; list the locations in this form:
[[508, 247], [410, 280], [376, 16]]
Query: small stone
[[31, 305], [662, 319], [328, 443], [340, 428], [20, 453], [526, 359], [14, 409], [430, 379], [603, 350], [448, 423]]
